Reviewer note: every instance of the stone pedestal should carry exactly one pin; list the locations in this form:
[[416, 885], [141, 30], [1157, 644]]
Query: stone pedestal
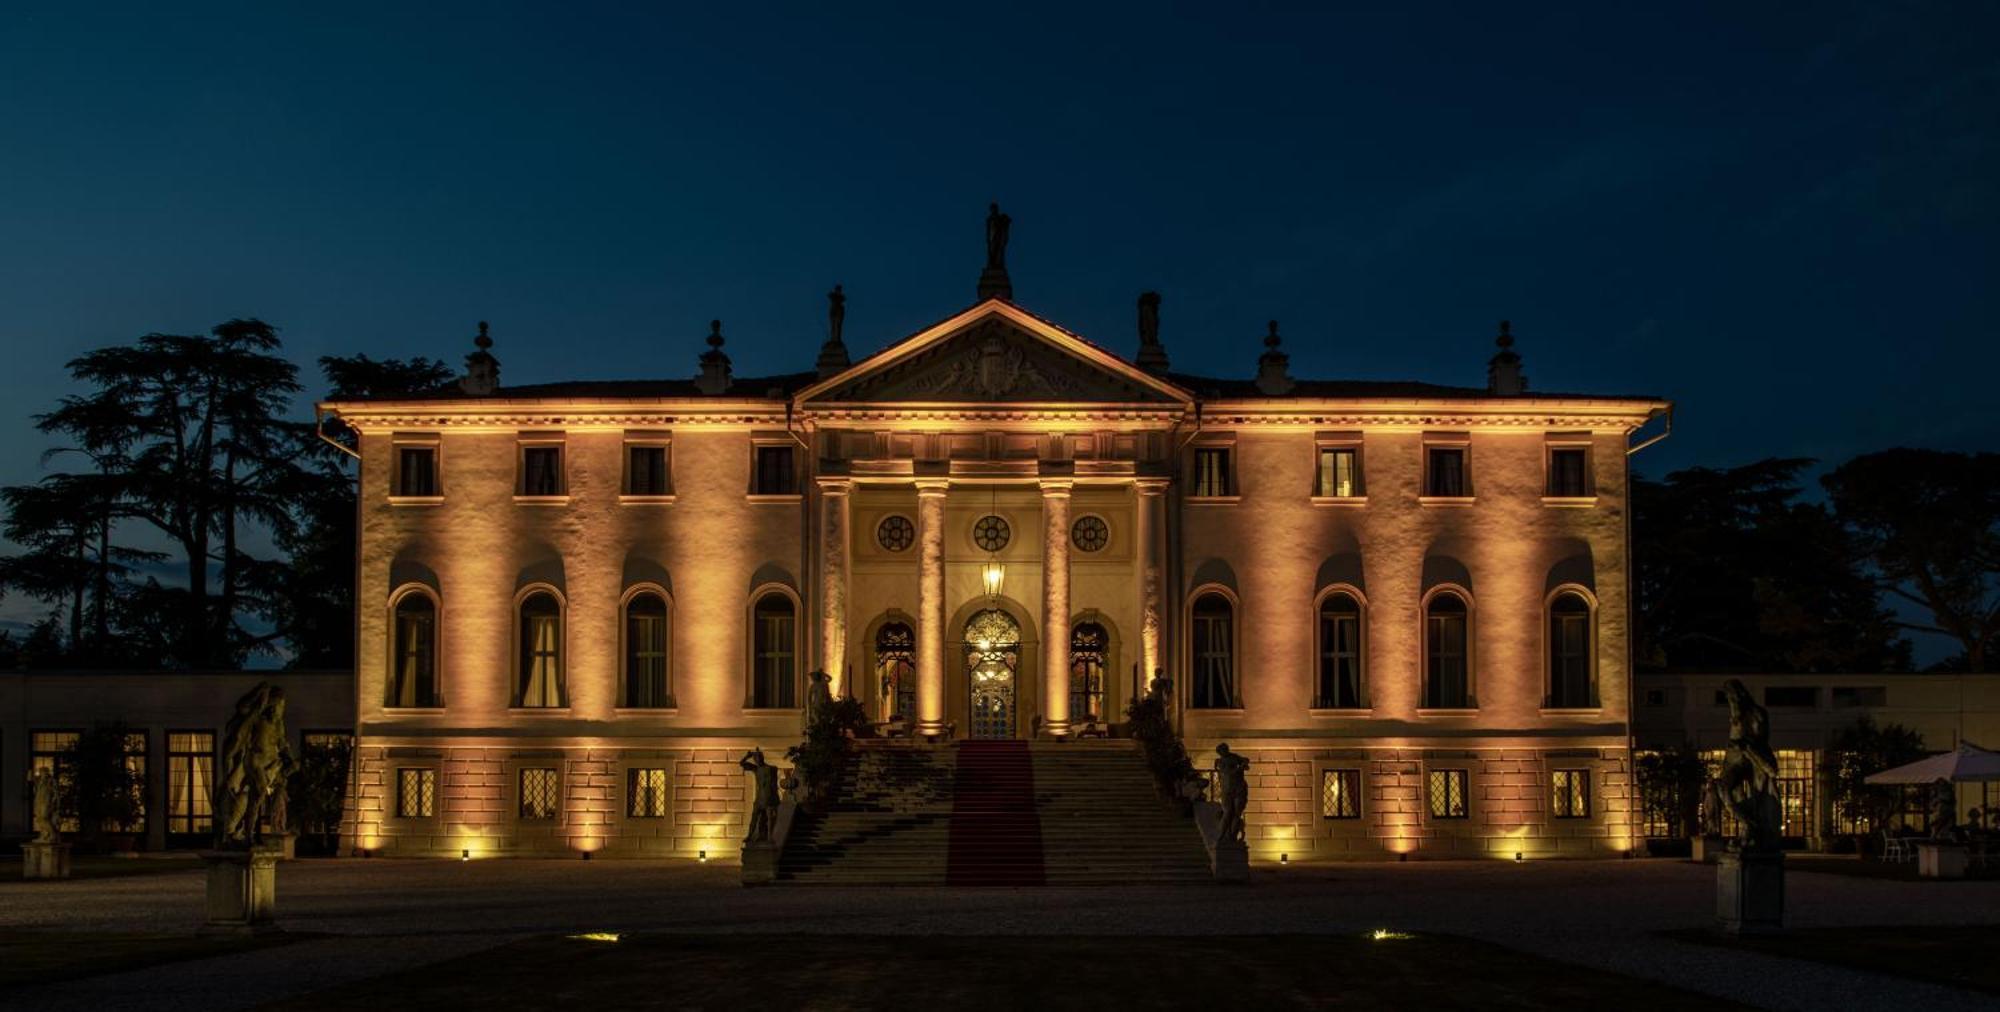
[[1941, 859], [1230, 862], [1749, 893], [1705, 849], [44, 860], [760, 863], [242, 889]]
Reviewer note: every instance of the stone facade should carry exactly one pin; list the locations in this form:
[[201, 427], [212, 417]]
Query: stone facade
[[849, 507]]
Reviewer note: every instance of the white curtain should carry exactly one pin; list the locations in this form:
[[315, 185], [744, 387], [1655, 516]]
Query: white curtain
[[544, 676]]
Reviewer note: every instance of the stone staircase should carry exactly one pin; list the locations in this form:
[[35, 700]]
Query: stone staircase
[[995, 813]]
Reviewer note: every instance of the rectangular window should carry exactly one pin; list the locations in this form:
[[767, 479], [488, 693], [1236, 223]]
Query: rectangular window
[[1444, 472], [1211, 472], [1570, 794], [646, 470], [1340, 656], [775, 474], [416, 793], [49, 750], [774, 685], [190, 783], [541, 470], [1568, 475], [1447, 794], [540, 794], [416, 470], [646, 793], [1860, 695], [1795, 790], [1339, 473], [1340, 794]]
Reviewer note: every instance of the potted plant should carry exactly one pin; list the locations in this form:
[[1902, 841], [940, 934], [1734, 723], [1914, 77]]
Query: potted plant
[[101, 790]]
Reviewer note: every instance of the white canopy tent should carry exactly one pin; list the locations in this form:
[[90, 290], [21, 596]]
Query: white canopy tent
[[1969, 764]]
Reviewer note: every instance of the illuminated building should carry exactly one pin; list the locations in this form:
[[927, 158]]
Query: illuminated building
[[1406, 603]]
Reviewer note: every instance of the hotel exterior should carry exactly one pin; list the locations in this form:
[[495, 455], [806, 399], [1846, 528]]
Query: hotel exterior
[[1408, 604]]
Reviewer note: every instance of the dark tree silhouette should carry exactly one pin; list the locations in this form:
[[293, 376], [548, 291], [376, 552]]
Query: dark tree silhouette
[[1929, 522], [1733, 573]]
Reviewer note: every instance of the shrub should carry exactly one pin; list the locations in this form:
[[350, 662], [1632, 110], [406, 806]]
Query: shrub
[[1671, 782], [1166, 758], [317, 793], [99, 786]]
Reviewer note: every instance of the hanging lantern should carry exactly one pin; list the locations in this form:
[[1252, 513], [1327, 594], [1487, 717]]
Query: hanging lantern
[[993, 575]]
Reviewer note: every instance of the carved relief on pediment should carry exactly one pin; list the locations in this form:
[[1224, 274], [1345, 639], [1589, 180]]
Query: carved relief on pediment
[[993, 361]]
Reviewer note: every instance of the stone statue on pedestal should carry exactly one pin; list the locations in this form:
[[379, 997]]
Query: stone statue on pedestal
[[764, 795], [256, 763], [42, 785], [1746, 785], [819, 696], [1231, 772], [1161, 691]]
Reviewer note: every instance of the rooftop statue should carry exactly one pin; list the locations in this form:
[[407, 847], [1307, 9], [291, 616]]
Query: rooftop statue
[[997, 226], [764, 795], [1230, 771], [255, 764], [1746, 785], [42, 787]]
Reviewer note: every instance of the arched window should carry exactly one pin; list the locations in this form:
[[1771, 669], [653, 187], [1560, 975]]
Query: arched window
[[1214, 632], [1447, 673], [1340, 660], [540, 661], [413, 673], [774, 631], [646, 639], [1088, 643], [896, 670], [1571, 685]]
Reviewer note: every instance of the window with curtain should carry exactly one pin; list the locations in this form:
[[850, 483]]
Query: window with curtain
[[1568, 474], [416, 470], [1570, 682], [646, 651], [413, 670], [541, 794], [541, 470], [190, 783], [1211, 472], [1446, 682], [646, 793], [1214, 635], [1447, 789], [1339, 683], [1087, 645], [540, 661], [773, 679], [1444, 473], [896, 670], [646, 470], [1569, 794], [1339, 472], [1340, 794], [416, 793], [775, 474]]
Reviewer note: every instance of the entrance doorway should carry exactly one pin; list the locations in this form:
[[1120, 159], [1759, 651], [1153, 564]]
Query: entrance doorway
[[992, 654]]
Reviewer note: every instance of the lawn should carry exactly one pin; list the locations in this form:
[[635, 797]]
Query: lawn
[[1958, 956], [1004, 972], [42, 957]]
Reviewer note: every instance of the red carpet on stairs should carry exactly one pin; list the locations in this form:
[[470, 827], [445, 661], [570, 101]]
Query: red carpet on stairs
[[996, 838]]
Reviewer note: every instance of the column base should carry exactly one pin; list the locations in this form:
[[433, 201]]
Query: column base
[[933, 729], [242, 890], [44, 860], [1056, 729]]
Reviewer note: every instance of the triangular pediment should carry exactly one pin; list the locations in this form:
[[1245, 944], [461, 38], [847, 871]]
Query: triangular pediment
[[994, 353]]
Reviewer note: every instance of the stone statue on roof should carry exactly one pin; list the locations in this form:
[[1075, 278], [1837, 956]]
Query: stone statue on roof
[[997, 226]]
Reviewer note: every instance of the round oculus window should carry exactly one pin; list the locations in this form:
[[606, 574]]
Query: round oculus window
[[991, 533], [895, 533], [1090, 534]]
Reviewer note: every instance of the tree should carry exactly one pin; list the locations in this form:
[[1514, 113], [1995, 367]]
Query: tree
[[314, 599], [1733, 573], [1670, 786], [1929, 523], [99, 786], [1861, 750], [64, 523], [318, 793]]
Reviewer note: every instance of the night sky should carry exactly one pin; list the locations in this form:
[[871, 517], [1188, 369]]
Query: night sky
[[1782, 216]]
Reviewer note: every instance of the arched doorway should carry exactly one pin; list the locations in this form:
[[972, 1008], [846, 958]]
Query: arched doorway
[[992, 655]]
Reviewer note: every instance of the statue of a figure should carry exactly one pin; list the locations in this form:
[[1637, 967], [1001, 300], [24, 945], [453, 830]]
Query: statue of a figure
[[1746, 784], [1230, 769], [1944, 810], [42, 783], [836, 314], [763, 797], [1149, 319], [997, 225], [1161, 691], [255, 765], [819, 697]]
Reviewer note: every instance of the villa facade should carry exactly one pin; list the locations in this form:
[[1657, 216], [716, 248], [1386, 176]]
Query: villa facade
[[579, 603]]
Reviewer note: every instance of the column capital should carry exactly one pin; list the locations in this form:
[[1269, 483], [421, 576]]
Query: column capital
[[1055, 487], [835, 484], [1152, 485], [933, 486]]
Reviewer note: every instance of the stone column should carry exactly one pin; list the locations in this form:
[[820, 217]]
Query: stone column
[[833, 579], [930, 606], [1148, 527], [1055, 605]]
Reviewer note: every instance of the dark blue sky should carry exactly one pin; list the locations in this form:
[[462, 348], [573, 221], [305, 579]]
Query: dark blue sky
[[1783, 216]]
